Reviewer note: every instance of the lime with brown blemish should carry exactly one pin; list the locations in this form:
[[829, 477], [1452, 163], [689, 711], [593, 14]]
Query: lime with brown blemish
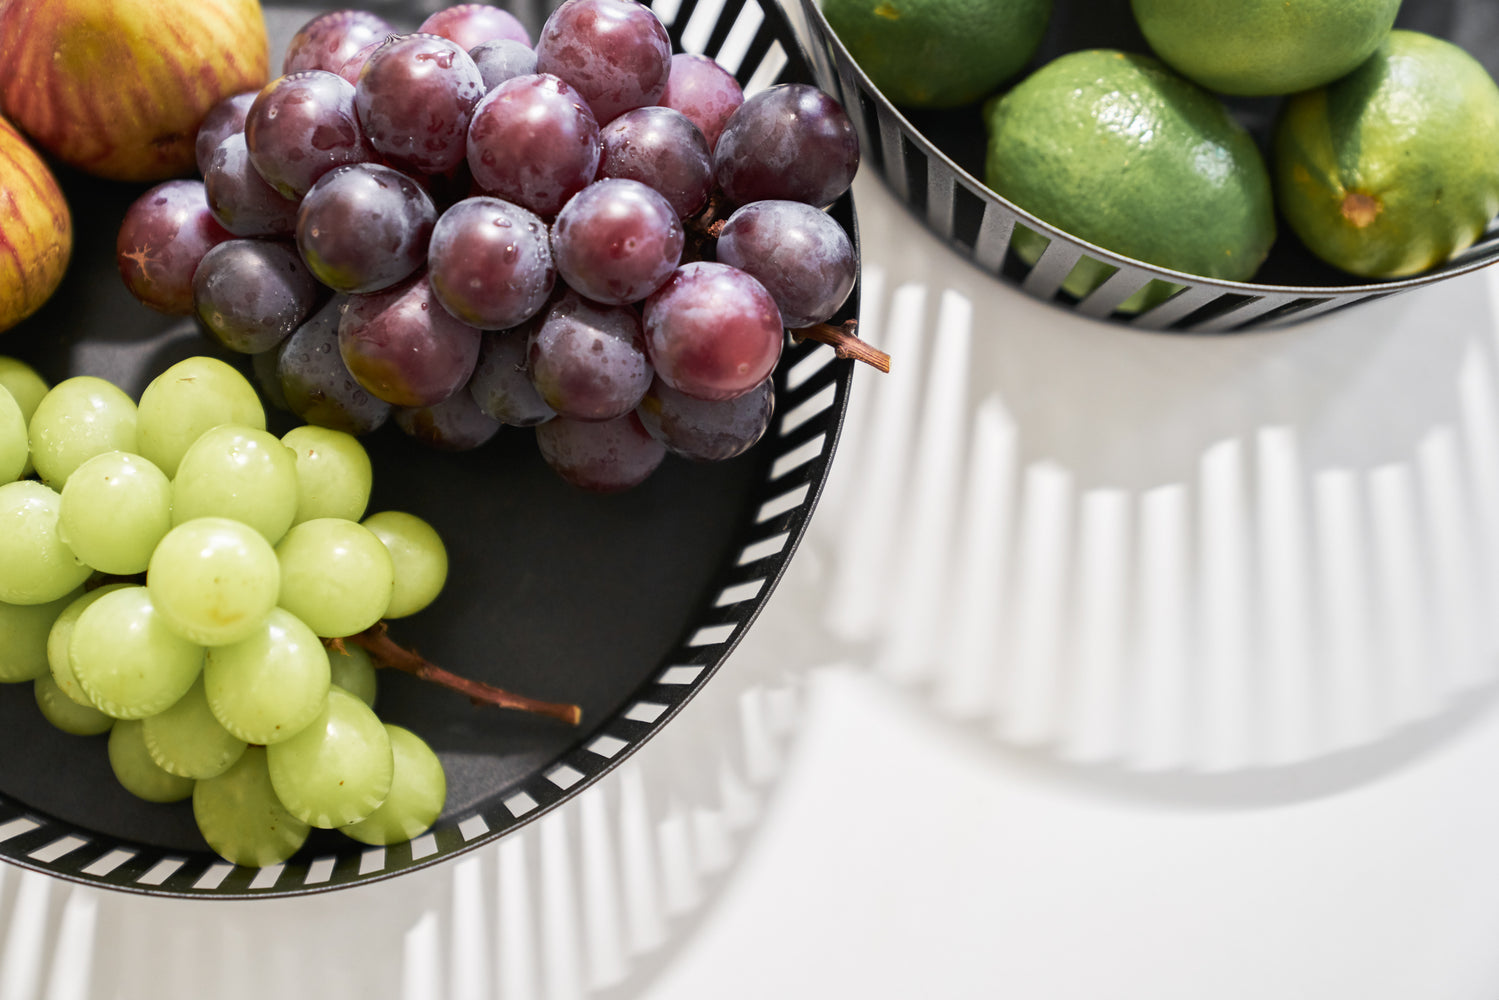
[[1118, 150], [939, 53], [1391, 170]]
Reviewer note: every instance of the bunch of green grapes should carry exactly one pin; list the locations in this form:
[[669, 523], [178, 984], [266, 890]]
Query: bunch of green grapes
[[173, 574]]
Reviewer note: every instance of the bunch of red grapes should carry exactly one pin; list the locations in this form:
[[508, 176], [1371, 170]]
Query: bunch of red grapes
[[457, 230]]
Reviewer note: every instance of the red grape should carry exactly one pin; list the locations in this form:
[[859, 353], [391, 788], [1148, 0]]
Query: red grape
[[602, 456], [616, 53], [712, 331], [533, 142], [702, 90], [587, 360], [663, 149], [414, 99], [790, 141], [490, 262], [616, 241], [799, 253], [405, 348], [300, 127], [165, 233], [364, 227]]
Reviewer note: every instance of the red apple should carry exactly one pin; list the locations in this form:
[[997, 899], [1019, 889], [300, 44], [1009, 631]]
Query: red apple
[[116, 88], [36, 229]]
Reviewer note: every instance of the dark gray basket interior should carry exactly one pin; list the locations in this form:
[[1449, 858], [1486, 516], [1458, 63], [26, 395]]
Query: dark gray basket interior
[[746, 518], [932, 162]]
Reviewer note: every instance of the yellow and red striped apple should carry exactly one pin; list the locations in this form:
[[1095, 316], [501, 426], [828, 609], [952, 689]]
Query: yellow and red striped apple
[[36, 229], [117, 88]]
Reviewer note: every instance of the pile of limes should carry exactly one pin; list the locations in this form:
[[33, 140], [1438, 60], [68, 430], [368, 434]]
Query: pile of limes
[[1382, 159]]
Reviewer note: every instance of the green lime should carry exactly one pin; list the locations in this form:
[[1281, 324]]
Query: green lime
[[1264, 47], [1121, 152], [1392, 169], [939, 53]]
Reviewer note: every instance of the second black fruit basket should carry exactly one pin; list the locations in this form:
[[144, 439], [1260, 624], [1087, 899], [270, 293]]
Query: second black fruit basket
[[625, 604], [932, 161]]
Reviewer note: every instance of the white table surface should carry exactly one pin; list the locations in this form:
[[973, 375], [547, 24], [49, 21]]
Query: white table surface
[[1115, 664]]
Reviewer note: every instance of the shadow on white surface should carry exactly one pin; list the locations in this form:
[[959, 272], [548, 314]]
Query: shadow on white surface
[[586, 903], [1158, 552]]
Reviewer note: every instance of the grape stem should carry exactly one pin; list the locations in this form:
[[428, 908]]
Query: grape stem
[[386, 652], [845, 344]]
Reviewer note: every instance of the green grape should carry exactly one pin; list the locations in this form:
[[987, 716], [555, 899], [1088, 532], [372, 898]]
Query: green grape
[[354, 671], [65, 713], [115, 508], [15, 441], [128, 661], [420, 560], [187, 399], [60, 638], [266, 688], [36, 565], [337, 770], [214, 580], [417, 793], [335, 575], [23, 383], [241, 818], [27, 388], [24, 629], [186, 739], [240, 473], [136, 771], [334, 474], [79, 418]]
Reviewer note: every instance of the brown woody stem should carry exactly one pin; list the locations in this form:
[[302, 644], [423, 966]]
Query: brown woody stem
[[386, 652], [845, 344]]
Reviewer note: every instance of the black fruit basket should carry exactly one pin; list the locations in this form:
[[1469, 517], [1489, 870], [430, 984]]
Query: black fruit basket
[[625, 604], [932, 162]]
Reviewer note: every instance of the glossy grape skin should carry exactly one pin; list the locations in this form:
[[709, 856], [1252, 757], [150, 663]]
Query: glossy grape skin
[[65, 713], [587, 360], [328, 40], [662, 149], [213, 580], [162, 238], [405, 348], [127, 660], [602, 456], [417, 793], [490, 262], [36, 565], [115, 508], [419, 556], [78, 418], [712, 331], [224, 119], [616, 53], [791, 142], [799, 253], [499, 59], [334, 473], [415, 97], [240, 199], [354, 65], [456, 424], [250, 294], [501, 383], [271, 685], [301, 126], [704, 91], [192, 396], [316, 383], [707, 430], [364, 227], [617, 241], [338, 769], [471, 24], [336, 576], [534, 143]]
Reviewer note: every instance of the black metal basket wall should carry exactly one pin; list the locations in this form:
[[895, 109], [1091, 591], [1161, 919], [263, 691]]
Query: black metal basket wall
[[932, 161], [722, 535]]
